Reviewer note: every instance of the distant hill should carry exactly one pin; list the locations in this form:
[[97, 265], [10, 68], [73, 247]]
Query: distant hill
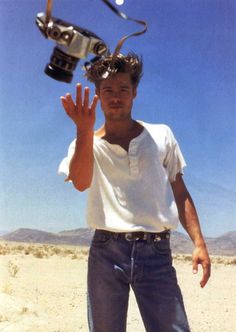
[[81, 237], [180, 243]]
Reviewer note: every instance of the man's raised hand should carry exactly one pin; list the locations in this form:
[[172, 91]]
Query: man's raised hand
[[81, 112]]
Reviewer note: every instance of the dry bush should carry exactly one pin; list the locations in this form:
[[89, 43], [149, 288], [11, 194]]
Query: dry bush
[[28, 250], [69, 252], [3, 318], [19, 248], [7, 288], [225, 260], [56, 251], [233, 260], [39, 254], [4, 249], [182, 257], [48, 248], [13, 269], [85, 251], [74, 256]]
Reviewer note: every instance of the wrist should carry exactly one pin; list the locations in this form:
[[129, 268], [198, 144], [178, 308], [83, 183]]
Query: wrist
[[84, 132], [200, 243]]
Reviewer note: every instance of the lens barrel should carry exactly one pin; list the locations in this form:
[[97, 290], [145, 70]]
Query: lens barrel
[[61, 66]]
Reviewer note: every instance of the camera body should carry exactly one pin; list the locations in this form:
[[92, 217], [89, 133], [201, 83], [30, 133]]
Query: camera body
[[73, 43]]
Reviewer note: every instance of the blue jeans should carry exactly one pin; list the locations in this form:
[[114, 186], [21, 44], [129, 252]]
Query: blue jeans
[[114, 265]]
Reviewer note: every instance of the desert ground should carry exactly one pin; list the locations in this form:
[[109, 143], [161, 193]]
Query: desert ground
[[43, 289]]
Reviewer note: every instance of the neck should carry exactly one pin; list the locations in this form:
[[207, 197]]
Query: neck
[[119, 128]]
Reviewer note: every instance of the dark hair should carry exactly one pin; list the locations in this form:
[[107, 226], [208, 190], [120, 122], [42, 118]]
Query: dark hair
[[107, 66]]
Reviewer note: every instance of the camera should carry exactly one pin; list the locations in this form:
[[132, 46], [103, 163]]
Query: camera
[[72, 44]]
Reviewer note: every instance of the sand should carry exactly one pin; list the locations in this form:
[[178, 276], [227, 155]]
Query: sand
[[45, 291]]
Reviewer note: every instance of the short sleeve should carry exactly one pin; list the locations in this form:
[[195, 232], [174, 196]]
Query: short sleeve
[[64, 164], [174, 161]]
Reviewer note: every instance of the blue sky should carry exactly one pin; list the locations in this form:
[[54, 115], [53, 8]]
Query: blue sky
[[189, 83]]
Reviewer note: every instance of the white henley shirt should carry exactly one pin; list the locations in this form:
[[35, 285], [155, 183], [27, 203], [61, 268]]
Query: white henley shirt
[[131, 191]]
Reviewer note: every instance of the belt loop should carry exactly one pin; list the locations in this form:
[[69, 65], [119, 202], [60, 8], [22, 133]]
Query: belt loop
[[146, 237], [115, 235], [157, 238]]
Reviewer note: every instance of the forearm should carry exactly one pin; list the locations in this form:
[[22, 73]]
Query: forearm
[[81, 165], [189, 219], [187, 211]]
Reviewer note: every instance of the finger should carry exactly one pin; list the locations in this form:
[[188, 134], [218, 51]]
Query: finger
[[86, 99], [70, 103], [94, 103], [63, 101], [206, 274], [195, 265], [79, 96], [64, 104]]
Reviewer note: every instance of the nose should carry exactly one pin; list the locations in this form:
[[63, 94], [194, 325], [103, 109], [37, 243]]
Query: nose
[[115, 100], [115, 97]]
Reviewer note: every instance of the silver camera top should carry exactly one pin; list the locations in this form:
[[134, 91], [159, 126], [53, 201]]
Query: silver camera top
[[71, 39]]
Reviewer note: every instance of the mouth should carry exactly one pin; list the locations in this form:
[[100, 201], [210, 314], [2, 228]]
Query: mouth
[[115, 106]]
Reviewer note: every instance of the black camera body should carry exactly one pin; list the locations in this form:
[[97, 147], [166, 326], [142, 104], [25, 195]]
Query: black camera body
[[73, 43]]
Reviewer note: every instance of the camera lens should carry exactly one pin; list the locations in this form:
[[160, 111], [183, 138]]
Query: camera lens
[[61, 66]]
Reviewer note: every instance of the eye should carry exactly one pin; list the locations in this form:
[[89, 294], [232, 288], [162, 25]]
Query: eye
[[125, 90], [107, 90]]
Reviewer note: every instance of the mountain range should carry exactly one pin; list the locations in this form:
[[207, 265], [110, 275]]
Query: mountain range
[[224, 245]]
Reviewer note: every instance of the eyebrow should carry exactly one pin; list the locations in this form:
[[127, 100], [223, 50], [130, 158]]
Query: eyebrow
[[110, 87]]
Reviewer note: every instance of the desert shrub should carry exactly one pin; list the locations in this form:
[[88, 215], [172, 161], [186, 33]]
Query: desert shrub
[[4, 249], [7, 288], [20, 247], [69, 251], [27, 252], [74, 256], [56, 251], [13, 269], [225, 260], [3, 318], [84, 251], [24, 310], [39, 253], [48, 248], [233, 261]]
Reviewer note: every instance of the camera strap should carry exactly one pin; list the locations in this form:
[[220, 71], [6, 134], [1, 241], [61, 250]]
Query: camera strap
[[117, 12], [125, 17], [48, 11]]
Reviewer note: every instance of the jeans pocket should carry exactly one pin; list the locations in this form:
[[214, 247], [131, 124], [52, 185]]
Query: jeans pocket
[[101, 239], [162, 246]]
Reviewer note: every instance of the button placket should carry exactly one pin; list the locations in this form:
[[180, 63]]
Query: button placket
[[133, 159]]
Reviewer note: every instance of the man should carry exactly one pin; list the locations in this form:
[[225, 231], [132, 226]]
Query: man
[[136, 197]]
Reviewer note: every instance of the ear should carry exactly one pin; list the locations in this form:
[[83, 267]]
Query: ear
[[135, 92]]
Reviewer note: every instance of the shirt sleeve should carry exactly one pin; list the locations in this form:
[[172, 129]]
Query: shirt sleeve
[[174, 161], [64, 164]]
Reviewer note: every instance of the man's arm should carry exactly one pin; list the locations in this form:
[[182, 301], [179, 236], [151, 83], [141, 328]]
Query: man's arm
[[83, 115], [189, 219]]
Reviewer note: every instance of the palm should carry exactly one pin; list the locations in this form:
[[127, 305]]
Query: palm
[[82, 114]]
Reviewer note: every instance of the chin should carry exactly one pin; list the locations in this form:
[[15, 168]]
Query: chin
[[117, 117]]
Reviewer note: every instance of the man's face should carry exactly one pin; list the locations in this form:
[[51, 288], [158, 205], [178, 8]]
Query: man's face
[[116, 95]]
